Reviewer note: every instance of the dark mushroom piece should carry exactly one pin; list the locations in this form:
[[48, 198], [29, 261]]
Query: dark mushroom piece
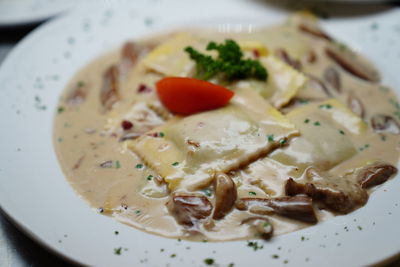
[[315, 82], [385, 123], [332, 77], [297, 207], [375, 174], [284, 56], [109, 93], [225, 195], [261, 225], [353, 66], [340, 196], [355, 104], [189, 209], [314, 31]]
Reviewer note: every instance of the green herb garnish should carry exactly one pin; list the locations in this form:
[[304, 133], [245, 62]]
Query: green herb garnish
[[317, 123], [117, 251], [60, 110], [149, 177], [207, 192], [325, 106], [306, 120], [229, 62], [270, 137], [175, 163], [209, 261], [139, 166], [254, 245], [117, 164], [252, 193]]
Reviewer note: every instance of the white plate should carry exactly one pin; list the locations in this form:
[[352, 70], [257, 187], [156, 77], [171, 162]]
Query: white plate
[[35, 194], [18, 12]]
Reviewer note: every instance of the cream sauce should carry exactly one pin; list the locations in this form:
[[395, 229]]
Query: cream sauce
[[113, 180]]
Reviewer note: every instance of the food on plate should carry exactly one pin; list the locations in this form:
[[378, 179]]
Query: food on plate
[[204, 135]]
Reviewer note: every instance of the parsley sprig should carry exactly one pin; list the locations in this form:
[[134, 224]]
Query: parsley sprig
[[229, 62]]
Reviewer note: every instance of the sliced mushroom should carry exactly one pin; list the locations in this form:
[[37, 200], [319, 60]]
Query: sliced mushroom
[[189, 209], [311, 57], [332, 77], [355, 104], [352, 65], [109, 94], [297, 207], [314, 31], [261, 225], [284, 56], [335, 193], [129, 56], [225, 195], [385, 123], [129, 136], [315, 82], [375, 174]]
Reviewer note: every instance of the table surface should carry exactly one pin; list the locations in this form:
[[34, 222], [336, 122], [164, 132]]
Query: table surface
[[16, 249]]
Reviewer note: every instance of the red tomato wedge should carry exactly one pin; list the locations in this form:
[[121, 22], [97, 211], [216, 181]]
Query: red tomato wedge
[[189, 95]]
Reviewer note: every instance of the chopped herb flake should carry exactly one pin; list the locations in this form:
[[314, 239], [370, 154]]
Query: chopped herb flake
[[161, 134], [252, 193], [116, 232], [303, 101], [80, 84], [117, 164], [162, 250], [209, 261], [306, 120], [149, 177], [207, 192], [139, 166], [317, 123], [303, 238], [173, 255], [325, 106], [341, 132], [137, 211], [175, 163], [359, 228], [117, 251], [270, 137], [374, 26], [275, 256], [254, 245], [231, 265], [60, 110], [282, 141]]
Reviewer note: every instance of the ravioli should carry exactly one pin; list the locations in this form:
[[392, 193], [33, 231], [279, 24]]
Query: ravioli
[[192, 149], [327, 129], [169, 58]]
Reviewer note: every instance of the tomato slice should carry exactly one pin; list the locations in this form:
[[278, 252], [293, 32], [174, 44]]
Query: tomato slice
[[189, 95]]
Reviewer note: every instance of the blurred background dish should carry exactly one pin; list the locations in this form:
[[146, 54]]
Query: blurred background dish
[[19, 12]]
